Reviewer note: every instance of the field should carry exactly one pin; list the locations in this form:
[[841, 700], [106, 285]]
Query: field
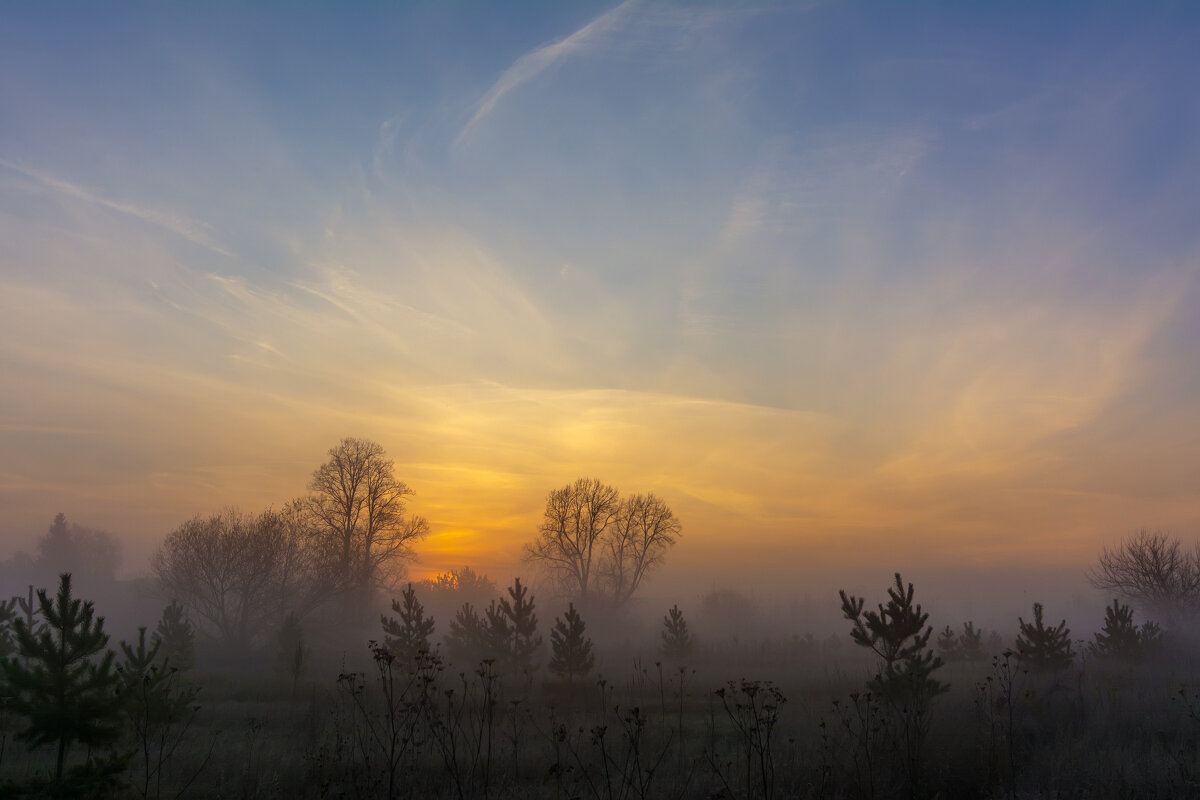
[[791, 718]]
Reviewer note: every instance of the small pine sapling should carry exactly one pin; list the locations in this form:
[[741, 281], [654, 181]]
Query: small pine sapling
[[525, 641], [970, 643], [897, 633], [158, 704], [466, 642], [497, 633], [8, 615], [571, 649], [407, 636], [1121, 639], [64, 682], [291, 653], [947, 644], [1043, 649], [176, 637], [676, 640]]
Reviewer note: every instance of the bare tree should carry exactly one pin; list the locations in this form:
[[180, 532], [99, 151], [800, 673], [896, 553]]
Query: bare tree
[[359, 509], [598, 546], [1154, 569], [576, 518], [645, 529], [238, 575]]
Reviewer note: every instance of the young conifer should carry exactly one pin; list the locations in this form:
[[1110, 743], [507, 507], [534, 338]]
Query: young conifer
[[64, 682], [466, 642], [176, 637], [8, 615], [1121, 638], [947, 644], [898, 635], [1043, 649], [970, 643], [676, 640], [518, 610], [158, 705], [409, 635], [571, 649]]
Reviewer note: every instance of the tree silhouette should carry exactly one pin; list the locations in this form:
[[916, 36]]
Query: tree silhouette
[[239, 574], [1153, 569], [466, 642], [408, 635], [1121, 639], [1043, 649], [158, 704], [571, 649], [176, 637], [596, 545], [517, 609], [8, 615], [897, 633], [64, 683], [676, 640], [359, 506]]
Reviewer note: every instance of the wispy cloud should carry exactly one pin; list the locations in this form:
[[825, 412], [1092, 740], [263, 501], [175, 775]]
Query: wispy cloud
[[537, 61], [193, 230]]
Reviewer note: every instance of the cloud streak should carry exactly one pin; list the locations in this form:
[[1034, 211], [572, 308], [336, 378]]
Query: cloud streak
[[537, 61]]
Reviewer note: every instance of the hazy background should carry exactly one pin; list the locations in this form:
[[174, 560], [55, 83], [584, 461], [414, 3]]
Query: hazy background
[[854, 287]]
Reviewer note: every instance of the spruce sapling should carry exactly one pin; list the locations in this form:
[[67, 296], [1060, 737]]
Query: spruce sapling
[[1043, 649], [176, 637], [572, 650], [409, 635], [64, 682], [676, 640]]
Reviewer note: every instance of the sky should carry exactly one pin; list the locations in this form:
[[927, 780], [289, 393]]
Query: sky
[[847, 284]]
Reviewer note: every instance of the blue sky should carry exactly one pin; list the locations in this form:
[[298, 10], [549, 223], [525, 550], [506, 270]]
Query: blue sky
[[827, 272]]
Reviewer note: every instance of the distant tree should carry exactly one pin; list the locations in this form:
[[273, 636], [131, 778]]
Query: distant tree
[[408, 635], [451, 589], [466, 643], [947, 644], [1121, 639], [176, 637], [570, 647], [597, 546], [966, 645], [1153, 569], [64, 683], [360, 509], [676, 640], [970, 643], [84, 552], [291, 653], [238, 575], [1043, 649]]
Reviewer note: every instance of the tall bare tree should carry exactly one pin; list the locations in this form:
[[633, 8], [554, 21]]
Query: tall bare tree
[[645, 529], [598, 546], [1153, 569], [576, 518], [359, 509]]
